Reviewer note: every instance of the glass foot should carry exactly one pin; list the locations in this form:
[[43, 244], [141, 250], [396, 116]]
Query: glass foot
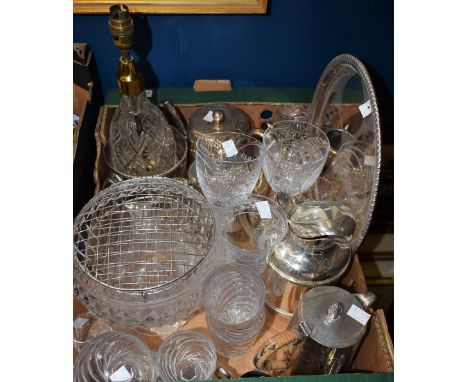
[[160, 330]]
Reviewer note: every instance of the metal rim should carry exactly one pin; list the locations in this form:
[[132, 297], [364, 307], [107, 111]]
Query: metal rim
[[124, 184], [317, 283], [277, 124], [278, 310], [255, 141], [367, 82]]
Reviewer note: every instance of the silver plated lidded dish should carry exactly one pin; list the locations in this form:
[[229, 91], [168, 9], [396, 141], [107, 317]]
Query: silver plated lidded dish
[[215, 118]]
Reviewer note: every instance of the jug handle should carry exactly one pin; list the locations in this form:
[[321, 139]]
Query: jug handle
[[267, 349]]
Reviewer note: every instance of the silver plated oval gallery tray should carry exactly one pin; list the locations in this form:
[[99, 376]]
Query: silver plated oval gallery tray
[[345, 107]]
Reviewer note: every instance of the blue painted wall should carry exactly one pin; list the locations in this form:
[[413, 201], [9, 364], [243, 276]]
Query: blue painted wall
[[289, 46]]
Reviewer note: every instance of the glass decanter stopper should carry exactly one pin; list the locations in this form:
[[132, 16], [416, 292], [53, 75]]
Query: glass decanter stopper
[[141, 141]]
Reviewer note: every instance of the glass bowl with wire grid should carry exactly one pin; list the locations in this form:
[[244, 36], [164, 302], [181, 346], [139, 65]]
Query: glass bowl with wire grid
[[142, 248]]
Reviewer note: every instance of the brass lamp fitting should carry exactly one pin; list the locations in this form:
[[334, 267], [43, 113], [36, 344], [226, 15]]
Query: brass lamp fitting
[[129, 79], [121, 28]]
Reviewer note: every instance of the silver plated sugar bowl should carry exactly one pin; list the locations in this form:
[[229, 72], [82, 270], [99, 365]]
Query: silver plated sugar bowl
[[321, 338]]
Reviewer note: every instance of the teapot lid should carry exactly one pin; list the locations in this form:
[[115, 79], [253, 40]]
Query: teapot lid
[[217, 117], [326, 317]]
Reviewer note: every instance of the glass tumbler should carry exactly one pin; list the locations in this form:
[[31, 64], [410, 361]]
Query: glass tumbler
[[251, 228], [294, 153], [114, 356], [234, 301], [325, 188], [353, 166], [186, 356], [86, 326], [228, 164]]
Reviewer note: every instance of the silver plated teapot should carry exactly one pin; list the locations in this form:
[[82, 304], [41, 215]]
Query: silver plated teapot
[[322, 336]]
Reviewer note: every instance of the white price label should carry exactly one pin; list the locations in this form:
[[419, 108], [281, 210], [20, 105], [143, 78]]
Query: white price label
[[121, 375], [358, 314], [209, 117], [79, 322], [263, 209], [229, 148], [369, 160], [76, 120], [365, 109], [149, 93]]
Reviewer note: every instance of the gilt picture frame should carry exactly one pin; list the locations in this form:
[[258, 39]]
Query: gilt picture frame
[[175, 6]]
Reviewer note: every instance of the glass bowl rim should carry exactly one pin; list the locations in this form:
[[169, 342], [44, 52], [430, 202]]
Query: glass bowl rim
[[315, 126]]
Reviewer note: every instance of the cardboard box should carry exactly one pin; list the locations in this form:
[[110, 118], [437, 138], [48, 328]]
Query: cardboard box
[[87, 99], [375, 354]]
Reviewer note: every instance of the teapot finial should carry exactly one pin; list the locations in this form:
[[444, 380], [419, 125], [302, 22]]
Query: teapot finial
[[334, 311]]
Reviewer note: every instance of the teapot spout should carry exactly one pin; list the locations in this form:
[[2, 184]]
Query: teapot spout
[[367, 299]]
